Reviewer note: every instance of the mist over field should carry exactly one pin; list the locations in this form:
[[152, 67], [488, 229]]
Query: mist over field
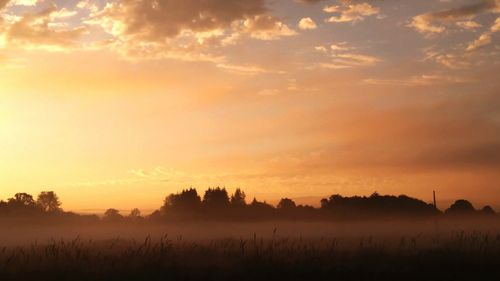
[[25, 231], [443, 249]]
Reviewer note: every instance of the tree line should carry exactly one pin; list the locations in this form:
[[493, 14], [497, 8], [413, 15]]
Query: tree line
[[217, 203]]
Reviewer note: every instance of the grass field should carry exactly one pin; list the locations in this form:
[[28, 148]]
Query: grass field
[[276, 255]]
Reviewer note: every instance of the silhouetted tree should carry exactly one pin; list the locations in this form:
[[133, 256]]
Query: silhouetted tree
[[376, 204], [135, 214], [461, 207], [216, 198], [112, 215], [488, 210], [155, 216], [286, 204], [261, 210], [238, 198], [22, 200], [187, 200], [48, 202]]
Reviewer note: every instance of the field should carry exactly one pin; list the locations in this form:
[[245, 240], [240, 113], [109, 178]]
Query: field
[[389, 250]]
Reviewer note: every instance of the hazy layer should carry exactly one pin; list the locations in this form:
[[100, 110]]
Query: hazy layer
[[379, 230]]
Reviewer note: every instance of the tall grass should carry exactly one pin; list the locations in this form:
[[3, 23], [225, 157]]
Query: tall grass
[[459, 256]]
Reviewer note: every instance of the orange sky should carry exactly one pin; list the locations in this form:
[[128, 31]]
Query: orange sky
[[117, 103]]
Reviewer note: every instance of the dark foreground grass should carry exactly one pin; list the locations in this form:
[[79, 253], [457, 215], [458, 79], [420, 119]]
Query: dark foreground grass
[[461, 256]]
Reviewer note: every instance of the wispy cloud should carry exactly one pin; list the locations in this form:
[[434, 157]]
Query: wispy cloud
[[342, 56], [350, 12], [436, 22], [485, 38], [420, 80]]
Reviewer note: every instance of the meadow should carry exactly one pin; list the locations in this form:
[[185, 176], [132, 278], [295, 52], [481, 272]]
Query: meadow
[[371, 250]]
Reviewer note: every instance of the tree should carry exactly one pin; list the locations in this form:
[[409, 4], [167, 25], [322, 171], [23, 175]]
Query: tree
[[286, 204], [258, 205], [135, 214], [48, 202], [461, 207], [23, 200], [488, 210], [112, 215], [188, 199], [216, 198], [238, 198]]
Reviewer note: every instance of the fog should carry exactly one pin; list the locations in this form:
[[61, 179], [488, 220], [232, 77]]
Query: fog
[[382, 230]]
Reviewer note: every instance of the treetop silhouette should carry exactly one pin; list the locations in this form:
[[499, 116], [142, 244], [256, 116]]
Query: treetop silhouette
[[217, 204]]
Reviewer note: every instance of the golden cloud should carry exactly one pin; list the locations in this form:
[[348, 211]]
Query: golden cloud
[[351, 12], [485, 38], [32, 31], [307, 23], [434, 22], [165, 27], [342, 56]]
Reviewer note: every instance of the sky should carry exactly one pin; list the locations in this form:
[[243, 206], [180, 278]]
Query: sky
[[118, 103]]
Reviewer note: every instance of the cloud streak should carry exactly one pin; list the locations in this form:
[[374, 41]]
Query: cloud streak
[[36, 31], [435, 22], [342, 56], [350, 12]]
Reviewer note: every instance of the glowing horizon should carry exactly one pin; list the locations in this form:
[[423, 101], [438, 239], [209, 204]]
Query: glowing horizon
[[117, 103]]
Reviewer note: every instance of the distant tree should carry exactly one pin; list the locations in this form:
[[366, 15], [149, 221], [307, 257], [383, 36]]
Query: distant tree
[[22, 200], [376, 204], [135, 214], [286, 204], [258, 205], [188, 199], [155, 216], [324, 203], [112, 215], [48, 202], [488, 210], [332, 201], [216, 198], [3, 207], [261, 210], [461, 207], [238, 198]]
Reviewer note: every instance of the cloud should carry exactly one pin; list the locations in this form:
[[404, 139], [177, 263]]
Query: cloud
[[309, 1], [469, 25], [434, 22], [342, 46], [433, 136], [307, 23], [25, 2], [351, 12], [485, 38], [88, 5], [3, 4], [449, 60], [156, 28], [342, 56], [266, 27], [163, 19], [421, 80], [36, 31], [423, 24], [242, 69], [268, 92]]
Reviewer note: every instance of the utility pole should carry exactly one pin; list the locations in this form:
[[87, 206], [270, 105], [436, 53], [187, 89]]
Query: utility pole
[[434, 195]]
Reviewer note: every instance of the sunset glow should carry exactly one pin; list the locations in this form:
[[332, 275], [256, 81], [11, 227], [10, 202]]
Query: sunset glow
[[118, 103]]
